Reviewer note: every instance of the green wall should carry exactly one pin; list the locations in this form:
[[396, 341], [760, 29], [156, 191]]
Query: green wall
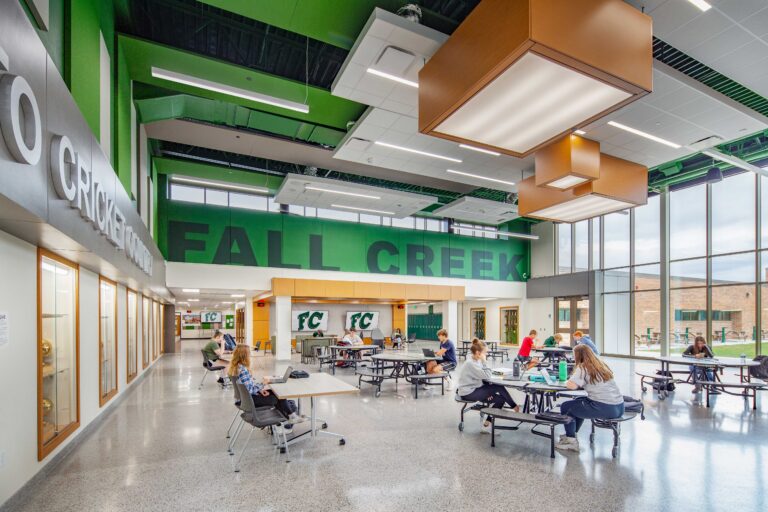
[[208, 234], [53, 38]]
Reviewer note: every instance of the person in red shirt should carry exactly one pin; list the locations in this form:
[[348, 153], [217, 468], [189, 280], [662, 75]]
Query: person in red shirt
[[524, 354]]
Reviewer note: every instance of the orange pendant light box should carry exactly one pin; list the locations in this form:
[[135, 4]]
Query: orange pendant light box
[[519, 74], [622, 184], [568, 162]]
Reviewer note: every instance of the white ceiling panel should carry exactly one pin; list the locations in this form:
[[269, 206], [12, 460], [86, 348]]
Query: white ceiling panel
[[483, 211], [674, 111], [359, 146], [731, 37], [390, 44], [351, 197]]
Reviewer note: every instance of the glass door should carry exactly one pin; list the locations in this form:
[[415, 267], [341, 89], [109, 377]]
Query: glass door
[[477, 323], [572, 315], [510, 325]]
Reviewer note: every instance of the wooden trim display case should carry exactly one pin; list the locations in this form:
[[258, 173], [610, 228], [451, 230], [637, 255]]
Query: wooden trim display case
[[58, 351], [146, 331], [107, 340], [131, 334]]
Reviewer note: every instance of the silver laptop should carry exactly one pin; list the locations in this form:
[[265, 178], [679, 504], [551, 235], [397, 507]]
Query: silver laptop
[[549, 380], [279, 380]]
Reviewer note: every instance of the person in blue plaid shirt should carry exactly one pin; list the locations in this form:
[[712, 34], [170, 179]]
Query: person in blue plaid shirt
[[262, 395]]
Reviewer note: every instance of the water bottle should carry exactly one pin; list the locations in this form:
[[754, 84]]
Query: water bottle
[[562, 371], [743, 358], [516, 369]]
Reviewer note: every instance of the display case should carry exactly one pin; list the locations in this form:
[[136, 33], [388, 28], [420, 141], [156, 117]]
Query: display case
[[146, 332], [155, 330], [132, 333], [107, 340], [58, 351]]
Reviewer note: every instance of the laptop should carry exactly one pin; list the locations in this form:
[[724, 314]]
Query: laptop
[[511, 375], [549, 380], [279, 380], [428, 352]]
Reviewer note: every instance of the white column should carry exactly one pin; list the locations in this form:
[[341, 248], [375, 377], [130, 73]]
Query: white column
[[451, 318], [283, 328], [248, 319]]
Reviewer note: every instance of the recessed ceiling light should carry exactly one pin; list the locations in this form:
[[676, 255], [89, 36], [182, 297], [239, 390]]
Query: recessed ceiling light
[[225, 302], [395, 78], [643, 134], [354, 194], [701, 4], [361, 209], [580, 132], [479, 150], [216, 184], [459, 227], [480, 177], [237, 295], [190, 290], [193, 300], [416, 151], [201, 83]]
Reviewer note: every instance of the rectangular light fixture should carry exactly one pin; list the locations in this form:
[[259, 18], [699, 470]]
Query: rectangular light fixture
[[580, 132], [330, 191], [219, 185], [229, 90], [416, 151], [546, 67], [190, 290], [394, 78], [193, 300], [568, 162], [735, 161], [621, 185], [480, 150], [237, 295], [361, 209], [458, 227], [477, 176], [701, 4], [643, 134]]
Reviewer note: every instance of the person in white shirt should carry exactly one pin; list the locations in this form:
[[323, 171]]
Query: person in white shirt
[[352, 337], [473, 386]]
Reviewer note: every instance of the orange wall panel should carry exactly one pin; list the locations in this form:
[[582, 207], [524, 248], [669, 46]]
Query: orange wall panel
[[367, 290]]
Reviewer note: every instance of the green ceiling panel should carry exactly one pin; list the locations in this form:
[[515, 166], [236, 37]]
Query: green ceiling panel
[[324, 136], [336, 22], [325, 109], [215, 172]]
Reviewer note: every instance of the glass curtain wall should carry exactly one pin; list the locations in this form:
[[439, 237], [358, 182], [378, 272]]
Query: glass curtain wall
[[718, 268]]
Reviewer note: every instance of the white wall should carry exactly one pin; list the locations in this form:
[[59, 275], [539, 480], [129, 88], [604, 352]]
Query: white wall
[[543, 250], [534, 314], [197, 333], [18, 362], [337, 315]]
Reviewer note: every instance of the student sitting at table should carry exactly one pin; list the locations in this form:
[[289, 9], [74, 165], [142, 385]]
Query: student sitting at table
[[214, 352], [262, 395], [583, 339], [353, 338], [472, 385], [700, 350], [528, 344], [397, 338], [553, 341], [604, 399], [447, 355]]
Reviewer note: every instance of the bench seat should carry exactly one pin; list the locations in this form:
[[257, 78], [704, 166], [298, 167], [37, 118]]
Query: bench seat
[[748, 389], [614, 425], [509, 414], [417, 379]]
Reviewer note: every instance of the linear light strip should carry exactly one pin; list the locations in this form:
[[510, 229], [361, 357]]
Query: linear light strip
[[361, 209], [394, 78], [458, 227], [480, 150], [644, 134], [462, 173], [416, 151], [734, 161], [229, 90], [354, 194], [216, 184], [701, 4]]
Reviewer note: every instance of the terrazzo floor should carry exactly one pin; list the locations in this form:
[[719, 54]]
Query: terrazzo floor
[[163, 448]]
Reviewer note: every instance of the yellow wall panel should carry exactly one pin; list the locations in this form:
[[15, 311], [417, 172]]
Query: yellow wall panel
[[310, 288], [282, 286], [439, 292], [340, 289], [392, 291], [367, 290], [417, 291], [457, 293]]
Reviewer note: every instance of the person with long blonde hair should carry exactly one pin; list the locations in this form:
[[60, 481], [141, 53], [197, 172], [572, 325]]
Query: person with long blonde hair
[[604, 399], [240, 368]]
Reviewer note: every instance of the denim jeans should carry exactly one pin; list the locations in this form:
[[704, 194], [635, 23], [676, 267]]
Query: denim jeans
[[494, 394], [700, 373], [585, 408]]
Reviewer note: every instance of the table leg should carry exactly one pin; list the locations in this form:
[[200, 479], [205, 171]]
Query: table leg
[[312, 417]]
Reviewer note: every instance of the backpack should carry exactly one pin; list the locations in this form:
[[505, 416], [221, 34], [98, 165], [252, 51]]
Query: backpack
[[229, 342], [760, 372], [663, 384]]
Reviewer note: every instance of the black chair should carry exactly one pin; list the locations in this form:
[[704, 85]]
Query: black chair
[[260, 417], [209, 367], [231, 437], [411, 338], [257, 346]]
